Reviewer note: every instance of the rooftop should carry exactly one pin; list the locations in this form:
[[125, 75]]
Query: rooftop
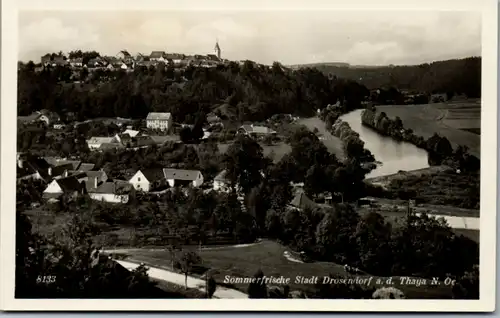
[[158, 116], [69, 184], [153, 174], [180, 174], [257, 129], [113, 187]]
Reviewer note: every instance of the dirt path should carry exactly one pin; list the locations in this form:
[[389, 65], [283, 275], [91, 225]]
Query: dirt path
[[289, 257], [179, 279]]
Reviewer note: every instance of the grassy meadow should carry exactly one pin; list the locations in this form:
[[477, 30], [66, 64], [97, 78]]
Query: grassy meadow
[[459, 121], [269, 257]]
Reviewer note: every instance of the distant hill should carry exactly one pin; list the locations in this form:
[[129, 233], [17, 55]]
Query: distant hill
[[459, 75], [317, 65]]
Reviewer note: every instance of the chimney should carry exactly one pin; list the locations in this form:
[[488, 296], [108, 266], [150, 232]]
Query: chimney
[[49, 171], [65, 173], [95, 182]]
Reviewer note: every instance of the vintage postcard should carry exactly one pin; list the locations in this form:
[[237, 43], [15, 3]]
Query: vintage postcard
[[249, 155]]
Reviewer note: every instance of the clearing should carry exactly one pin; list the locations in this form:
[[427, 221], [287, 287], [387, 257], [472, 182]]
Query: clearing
[[459, 121]]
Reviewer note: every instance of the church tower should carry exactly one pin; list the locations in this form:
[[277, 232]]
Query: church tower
[[217, 49]]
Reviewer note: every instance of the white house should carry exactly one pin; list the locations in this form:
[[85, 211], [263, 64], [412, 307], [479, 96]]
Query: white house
[[162, 121], [123, 55], [221, 182], [157, 56], [180, 176], [57, 187], [131, 133], [148, 179], [111, 192], [76, 62]]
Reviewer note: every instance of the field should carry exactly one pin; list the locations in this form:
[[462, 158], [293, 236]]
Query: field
[[459, 121], [276, 151], [268, 256], [331, 142]]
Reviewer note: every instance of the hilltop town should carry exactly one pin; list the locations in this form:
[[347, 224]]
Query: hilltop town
[[154, 159]]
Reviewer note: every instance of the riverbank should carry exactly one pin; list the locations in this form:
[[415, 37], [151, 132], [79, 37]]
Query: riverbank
[[393, 155], [439, 149], [459, 121]]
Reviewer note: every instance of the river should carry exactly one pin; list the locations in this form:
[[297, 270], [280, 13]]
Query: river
[[392, 154]]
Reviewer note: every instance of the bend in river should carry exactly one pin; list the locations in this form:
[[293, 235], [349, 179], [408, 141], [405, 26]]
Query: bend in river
[[394, 155]]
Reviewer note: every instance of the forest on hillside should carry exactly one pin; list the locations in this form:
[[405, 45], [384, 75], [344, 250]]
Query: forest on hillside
[[248, 92], [460, 76]]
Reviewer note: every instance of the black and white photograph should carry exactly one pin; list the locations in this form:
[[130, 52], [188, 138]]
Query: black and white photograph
[[167, 153]]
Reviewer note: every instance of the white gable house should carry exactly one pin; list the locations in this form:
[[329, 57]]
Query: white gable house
[[148, 180], [179, 177], [221, 182], [161, 121]]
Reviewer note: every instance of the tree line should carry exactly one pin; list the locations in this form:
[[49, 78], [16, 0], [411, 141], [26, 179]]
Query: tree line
[[247, 92], [439, 148], [459, 76]]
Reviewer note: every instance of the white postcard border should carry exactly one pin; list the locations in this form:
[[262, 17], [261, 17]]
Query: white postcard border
[[489, 9]]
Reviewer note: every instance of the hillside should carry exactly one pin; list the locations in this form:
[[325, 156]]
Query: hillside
[[460, 75]]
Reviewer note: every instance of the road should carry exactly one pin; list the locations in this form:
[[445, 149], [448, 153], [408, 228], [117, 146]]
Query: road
[[179, 279]]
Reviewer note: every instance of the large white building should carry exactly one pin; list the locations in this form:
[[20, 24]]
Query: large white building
[[161, 121]]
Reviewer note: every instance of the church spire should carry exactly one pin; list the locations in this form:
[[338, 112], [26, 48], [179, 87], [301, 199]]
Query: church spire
[[217, 48]]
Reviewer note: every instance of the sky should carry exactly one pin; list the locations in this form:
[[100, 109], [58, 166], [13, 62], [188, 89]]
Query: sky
[[290, 37]]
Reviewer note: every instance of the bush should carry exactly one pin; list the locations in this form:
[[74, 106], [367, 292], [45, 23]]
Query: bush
[[388, 293]]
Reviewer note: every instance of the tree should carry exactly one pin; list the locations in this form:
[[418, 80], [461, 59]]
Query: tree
[[244, 162], [373, 236], [467, 286], [186, 135], [187, 261], [257, 288], [68, 265], [211, 287], [334, 234], [197, 131], [388, 293]]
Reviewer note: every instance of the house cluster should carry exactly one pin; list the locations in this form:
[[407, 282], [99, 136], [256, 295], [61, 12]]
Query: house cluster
[[123, 60], [72, 178], [134, 139]]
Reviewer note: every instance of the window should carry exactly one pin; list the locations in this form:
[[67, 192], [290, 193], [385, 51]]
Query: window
[[139, 179]]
